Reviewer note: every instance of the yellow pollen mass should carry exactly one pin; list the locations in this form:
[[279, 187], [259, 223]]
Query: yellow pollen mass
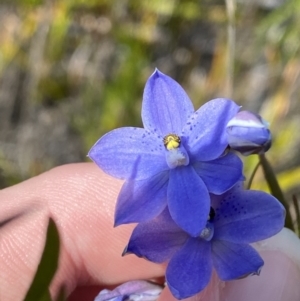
[[171, 141]]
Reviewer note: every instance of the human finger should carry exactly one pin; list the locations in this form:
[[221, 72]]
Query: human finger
[[81, 199]]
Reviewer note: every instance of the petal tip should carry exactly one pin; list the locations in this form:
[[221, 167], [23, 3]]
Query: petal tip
[[92, 153], [126, 251], [118, 222], [156, 73], [123, 219]]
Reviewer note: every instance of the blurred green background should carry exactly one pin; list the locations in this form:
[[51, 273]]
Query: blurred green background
[[71, 70]]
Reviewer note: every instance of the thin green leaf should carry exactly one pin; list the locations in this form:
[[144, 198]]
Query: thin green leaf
[[38, 290], [45, 297], [275, 188]]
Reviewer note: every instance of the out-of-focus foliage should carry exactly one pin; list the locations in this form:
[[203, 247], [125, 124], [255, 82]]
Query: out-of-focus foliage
[[72, 70], [280, 29]]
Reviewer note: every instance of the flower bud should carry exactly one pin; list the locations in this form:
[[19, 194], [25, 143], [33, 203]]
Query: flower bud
[[248, 133], [131, 291]]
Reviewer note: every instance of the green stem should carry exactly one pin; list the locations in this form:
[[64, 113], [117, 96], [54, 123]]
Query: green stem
[[297, 211], [275, 189], [252, 175]]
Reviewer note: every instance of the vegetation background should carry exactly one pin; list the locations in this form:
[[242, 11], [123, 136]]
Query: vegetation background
[[71, 70]]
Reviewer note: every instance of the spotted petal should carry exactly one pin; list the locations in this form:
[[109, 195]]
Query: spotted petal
[[166, 107], [142, 200], [188, 200], [156, 240], [220, 174], [233, 261], [189, 271], [247, 216], [206, 129], [129, 153]]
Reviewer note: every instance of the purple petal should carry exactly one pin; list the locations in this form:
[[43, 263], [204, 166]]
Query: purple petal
[[248, 216], [142, 200], [233, 261], [129, 153], [206, 129], [221, 174], [188, 200], [189, 271], [156, 240], [249, 141], [248, 133], [166, 107], [131, 290], [247, 119]]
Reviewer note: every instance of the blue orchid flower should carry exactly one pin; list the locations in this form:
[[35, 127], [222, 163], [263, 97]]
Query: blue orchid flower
[[137, 290], [237, 218], [177, 159], [248, 133]]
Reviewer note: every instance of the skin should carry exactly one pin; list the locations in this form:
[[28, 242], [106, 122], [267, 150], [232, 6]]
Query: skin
[[81, 199]]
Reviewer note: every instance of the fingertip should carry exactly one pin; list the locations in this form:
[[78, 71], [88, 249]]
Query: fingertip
[[280, 276], [286, 242], [279, 281]]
